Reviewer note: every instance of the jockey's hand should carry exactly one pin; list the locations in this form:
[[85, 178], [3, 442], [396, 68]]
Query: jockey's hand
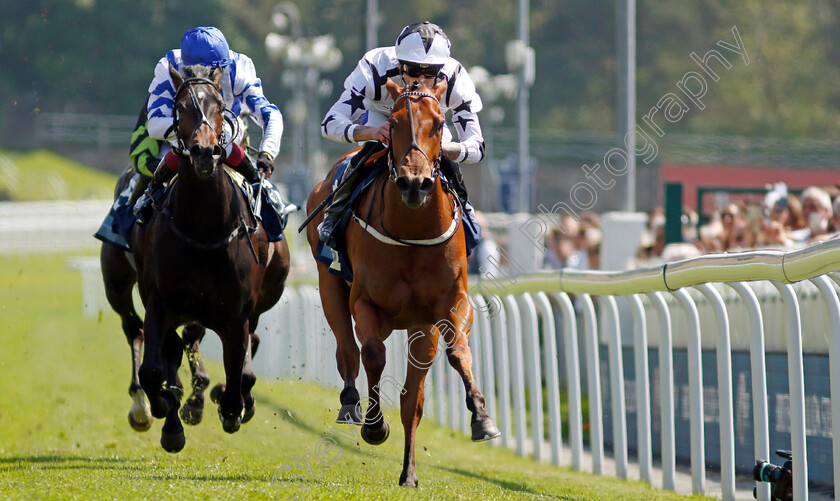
[[381, 133], [451, 150], [265, 163]]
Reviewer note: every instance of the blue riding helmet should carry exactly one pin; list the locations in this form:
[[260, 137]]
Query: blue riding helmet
[[205, 45]]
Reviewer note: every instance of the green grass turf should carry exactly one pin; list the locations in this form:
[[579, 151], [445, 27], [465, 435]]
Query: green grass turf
[[64, 432], [43, 175]]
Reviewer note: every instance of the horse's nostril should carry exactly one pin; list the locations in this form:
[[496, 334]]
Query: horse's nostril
[[426, 185], [195, 151], [217, 151], [402, 184]]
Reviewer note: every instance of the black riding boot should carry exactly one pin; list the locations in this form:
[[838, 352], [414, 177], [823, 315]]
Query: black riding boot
[[247, 168], [144, 204], [452, 171], [139, 188], [341, 198]]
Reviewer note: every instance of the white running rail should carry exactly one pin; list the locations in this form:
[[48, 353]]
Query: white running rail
[[691, 304]]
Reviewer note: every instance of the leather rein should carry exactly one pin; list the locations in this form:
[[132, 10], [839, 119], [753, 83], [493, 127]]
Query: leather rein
[[242, 228], [385, 236]]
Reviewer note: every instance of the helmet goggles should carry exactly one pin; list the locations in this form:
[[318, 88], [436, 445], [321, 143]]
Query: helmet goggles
[[417, 70]]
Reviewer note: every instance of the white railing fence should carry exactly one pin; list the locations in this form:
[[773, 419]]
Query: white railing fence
[[563, 333]]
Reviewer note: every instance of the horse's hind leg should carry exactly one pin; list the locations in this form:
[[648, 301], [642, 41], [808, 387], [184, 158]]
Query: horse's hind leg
[[172, 434], [119, 278], [249, 379], [460, 358], [235, 342], [193, 410], [335, 298]]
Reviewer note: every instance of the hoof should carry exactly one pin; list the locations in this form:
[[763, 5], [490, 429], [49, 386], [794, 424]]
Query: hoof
[[141, 421], [159, 406], [247, 414], [216, 393], [192, 413], [408, 482], [375, 436], [230, 424], [172, 443], [349, 414], [484, 429]]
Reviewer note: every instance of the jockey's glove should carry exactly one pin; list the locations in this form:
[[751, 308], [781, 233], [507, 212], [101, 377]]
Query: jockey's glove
[[265, 163]]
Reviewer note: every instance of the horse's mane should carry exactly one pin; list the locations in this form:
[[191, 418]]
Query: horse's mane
[[197, 70]]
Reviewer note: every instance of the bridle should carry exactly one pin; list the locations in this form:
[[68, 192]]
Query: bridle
[[242, 229], [385, 236], [392, 167], [187, 85]]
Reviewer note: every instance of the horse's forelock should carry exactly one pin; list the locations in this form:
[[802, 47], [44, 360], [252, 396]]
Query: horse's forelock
[[196, 71]]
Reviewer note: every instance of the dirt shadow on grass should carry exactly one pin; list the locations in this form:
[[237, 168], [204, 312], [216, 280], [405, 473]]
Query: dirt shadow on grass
[[343, 436], [504, 484], [58, 461]]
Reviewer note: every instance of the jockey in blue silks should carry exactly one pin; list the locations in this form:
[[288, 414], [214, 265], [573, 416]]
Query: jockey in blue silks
[[242, 92]]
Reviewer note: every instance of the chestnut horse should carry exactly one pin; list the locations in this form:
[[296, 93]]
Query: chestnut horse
[[409, 262], [202, 259]]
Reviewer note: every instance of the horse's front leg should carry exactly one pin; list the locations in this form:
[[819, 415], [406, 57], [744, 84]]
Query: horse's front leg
[[457, 336], [193, 410], [369, 331], [172, 434], [151, 371], [335, 298], [235, 342], [421, 354]]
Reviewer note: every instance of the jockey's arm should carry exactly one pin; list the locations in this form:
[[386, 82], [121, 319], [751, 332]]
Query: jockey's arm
[[160, 104], [381, 133], [249, 88], [465, 104], [340, 123]]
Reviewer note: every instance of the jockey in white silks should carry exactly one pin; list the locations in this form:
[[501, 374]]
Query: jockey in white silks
[[420, 56]]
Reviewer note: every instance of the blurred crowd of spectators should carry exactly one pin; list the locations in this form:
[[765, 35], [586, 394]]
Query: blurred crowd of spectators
[[782, 220]]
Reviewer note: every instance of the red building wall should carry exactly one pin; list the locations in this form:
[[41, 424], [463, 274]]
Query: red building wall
[[693, 176]]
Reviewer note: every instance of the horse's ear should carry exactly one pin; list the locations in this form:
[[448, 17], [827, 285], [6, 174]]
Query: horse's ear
[[439, 89], [393, 89], [176, 77], [216, 76]]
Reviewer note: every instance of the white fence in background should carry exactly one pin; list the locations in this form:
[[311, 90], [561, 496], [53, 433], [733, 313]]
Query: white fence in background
[[515, 348], [50, 226], [516, 341]]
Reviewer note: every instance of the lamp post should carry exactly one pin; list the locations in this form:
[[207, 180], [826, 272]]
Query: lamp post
[[520, 60], [305, 59], [493, 88]]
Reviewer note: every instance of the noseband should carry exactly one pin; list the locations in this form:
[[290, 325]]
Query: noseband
[[188, 84], [392, 168]]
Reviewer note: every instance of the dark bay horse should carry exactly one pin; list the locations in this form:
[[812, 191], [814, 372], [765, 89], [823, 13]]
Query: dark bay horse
[[409, 264], [202, 259]]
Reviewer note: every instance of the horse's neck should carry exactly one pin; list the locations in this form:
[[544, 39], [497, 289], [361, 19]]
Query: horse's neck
[[204, 206], [428, 221]]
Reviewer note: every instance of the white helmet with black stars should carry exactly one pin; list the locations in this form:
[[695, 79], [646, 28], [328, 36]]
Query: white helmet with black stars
[[423, 43]]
